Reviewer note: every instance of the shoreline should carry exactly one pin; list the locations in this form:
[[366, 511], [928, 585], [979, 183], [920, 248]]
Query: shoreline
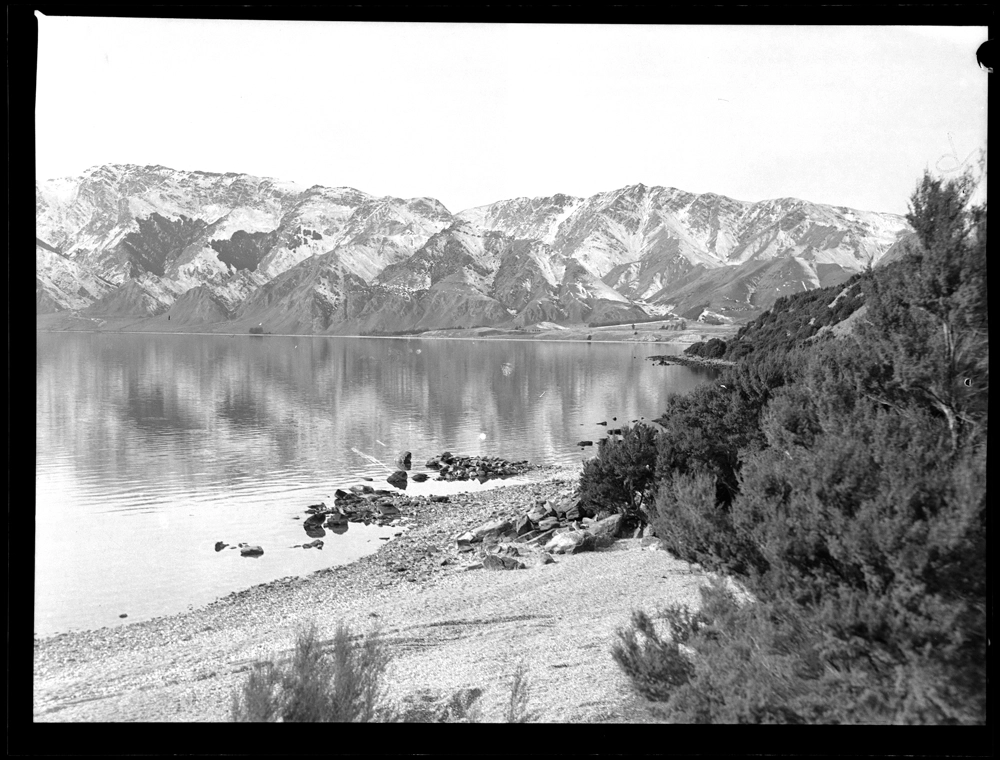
[[575, 334], [434, 613], [542, 474]]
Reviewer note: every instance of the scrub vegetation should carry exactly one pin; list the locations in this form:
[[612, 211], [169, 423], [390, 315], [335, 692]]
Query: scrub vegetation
[[841, 479]]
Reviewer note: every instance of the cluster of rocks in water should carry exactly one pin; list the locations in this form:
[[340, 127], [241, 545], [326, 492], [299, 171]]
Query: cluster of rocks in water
[[368, 505], [246, 550], [451, 467], [360, 504]]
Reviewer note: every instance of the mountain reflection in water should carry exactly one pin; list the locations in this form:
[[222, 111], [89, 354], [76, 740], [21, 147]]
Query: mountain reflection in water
[[150, 448]]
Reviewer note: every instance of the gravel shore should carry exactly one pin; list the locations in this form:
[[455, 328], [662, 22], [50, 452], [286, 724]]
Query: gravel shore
[[448, 628]]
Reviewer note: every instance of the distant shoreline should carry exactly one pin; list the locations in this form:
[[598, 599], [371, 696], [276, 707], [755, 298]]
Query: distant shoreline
[[642, 334]]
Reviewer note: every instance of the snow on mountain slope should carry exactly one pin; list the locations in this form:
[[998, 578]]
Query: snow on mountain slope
[[65, 283], [558, 258]]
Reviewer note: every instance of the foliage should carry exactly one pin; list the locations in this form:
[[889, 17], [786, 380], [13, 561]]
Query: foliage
[[618, 478], [518, 710], [713, 349], [846, 482], [794, 320], [656, 665], [342, 684]]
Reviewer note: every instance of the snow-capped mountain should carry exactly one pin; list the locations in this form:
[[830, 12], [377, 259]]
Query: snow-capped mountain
[[200, 228], [206, 248]]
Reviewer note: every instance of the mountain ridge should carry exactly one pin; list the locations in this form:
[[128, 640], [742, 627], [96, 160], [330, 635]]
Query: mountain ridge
[[630, 251]]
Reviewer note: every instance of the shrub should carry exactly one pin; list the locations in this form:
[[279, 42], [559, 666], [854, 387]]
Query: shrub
[[520, 688], [744, 663], [691, 522], [657, 667], [618, 478], [713, 349], [341, 685]]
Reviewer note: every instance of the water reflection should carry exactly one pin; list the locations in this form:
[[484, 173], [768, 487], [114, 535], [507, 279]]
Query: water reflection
[[197, 439]]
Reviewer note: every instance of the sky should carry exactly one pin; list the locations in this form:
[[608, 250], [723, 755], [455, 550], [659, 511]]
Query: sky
[[475, 113]]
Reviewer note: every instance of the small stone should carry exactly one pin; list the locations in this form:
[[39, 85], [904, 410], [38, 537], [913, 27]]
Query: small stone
[[251, 551], [220, 545], [123, 615], [418, 477]]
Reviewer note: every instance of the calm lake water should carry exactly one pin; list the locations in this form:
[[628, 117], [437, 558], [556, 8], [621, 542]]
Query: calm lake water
[[150, 448]]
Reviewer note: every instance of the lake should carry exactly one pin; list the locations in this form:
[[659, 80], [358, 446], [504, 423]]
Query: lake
[[150, 448]]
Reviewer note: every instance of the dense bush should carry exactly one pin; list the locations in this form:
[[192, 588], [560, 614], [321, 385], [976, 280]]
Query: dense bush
[[846, 482], [619, 477]]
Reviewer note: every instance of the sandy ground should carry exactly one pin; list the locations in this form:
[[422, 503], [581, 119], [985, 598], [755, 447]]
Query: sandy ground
[[448, 628]]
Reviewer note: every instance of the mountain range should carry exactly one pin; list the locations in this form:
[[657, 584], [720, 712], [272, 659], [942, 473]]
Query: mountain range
[[223, 251]]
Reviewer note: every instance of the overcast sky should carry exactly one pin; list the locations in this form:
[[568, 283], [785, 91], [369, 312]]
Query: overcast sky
[[474, 113]]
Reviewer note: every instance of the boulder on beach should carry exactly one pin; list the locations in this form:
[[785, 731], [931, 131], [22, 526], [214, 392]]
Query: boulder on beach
[[397, 479], [403, 460], [251, 551], [548, 523], [575, 512], [492, 529], [606, 530], [540, 537], [388, 509], [500, 562], [570, 542], [523, 525]]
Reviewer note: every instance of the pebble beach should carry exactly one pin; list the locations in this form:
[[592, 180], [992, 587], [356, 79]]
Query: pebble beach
[[450, 628]]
